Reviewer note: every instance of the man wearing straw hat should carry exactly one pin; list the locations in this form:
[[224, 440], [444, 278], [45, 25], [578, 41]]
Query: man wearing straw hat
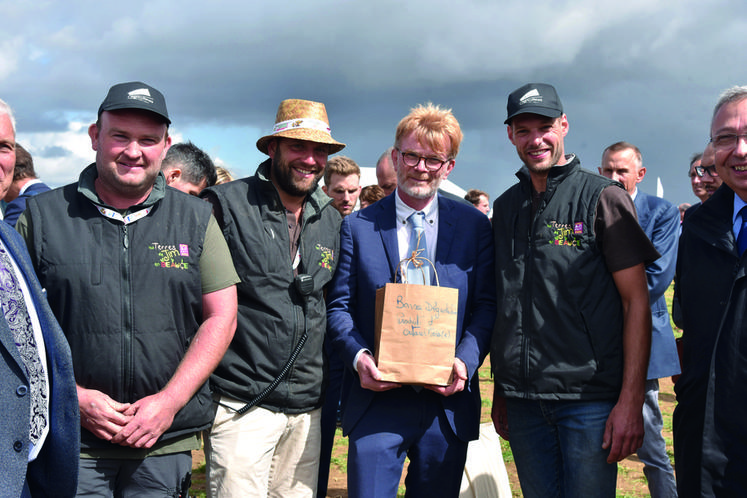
[[384, 420], [283, 233]]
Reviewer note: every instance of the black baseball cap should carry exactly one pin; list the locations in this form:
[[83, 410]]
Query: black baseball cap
[[534, 98], [135, 95]]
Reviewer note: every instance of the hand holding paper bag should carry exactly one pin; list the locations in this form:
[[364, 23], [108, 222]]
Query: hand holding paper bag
[[370, 376], [456, 383]]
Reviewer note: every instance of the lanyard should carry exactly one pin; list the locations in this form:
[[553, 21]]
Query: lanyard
[[130, 218]]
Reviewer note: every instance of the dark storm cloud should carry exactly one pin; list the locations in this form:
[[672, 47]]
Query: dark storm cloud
[[646, 72]]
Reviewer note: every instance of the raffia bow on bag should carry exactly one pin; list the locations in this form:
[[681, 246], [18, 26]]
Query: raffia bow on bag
[[416, 328], [420, 266]]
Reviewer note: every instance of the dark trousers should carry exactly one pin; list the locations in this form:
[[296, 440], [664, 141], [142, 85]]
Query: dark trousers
[[329, 418], [164, 476], [399, 423]]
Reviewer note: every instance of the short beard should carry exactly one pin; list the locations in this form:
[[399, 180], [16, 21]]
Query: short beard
[[284, 181], [421, 195]]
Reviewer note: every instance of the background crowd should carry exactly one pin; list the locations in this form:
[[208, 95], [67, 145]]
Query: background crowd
[[180, 304]]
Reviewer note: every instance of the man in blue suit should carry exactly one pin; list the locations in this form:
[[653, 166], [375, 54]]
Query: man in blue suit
[[39, 452], [25, 184], [659, 219], [386, 421]]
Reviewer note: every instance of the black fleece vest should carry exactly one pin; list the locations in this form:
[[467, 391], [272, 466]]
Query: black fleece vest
[[558, 333], [128, 297], [271, 311]]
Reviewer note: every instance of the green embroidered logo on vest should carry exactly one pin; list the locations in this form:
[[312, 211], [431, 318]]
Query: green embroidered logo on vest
[[327, 257], [169, 256], [566, 235]]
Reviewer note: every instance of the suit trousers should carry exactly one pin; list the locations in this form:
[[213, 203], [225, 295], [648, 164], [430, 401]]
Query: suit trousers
[[399, 423], [262, 453], [653, 453]]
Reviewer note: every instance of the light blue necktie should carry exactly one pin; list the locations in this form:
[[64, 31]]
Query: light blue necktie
[[742, 237], [418, 270]]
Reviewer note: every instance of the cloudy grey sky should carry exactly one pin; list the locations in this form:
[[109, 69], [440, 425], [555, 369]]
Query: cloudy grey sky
[[644, 71]]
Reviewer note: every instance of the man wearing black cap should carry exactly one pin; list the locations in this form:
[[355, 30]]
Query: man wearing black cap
[[140, 279], [572, 338]]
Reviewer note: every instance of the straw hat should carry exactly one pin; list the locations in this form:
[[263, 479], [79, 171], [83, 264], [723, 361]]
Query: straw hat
[[303, 120]]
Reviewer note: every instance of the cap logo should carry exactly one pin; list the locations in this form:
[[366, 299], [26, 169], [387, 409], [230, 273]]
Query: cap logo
[[531, 97], [141, 94]]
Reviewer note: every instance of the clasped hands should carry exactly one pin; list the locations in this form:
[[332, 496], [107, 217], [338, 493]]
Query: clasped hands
[[137, 425]]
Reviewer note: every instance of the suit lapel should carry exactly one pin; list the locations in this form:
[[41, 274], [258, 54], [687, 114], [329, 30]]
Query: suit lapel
[[386, 225], [641, 208], [6, 339], [21, 261], [446, 225], [20, 255]]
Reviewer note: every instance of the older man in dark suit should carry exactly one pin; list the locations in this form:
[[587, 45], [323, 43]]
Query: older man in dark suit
[[39, 425], [709, 431]]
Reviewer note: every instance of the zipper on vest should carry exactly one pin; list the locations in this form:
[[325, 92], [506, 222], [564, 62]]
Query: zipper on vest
[[527, 306], [126, 280], [298, 315]]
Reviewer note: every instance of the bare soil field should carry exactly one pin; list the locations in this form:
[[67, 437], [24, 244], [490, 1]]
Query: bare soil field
[[631, 483]]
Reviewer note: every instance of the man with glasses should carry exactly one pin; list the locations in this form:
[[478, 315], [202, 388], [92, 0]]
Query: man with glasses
[[386, 421], [703, 177], [709, 431], [573, 333]]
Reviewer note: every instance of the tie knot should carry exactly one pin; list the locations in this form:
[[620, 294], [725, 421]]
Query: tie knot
[[416, 219]]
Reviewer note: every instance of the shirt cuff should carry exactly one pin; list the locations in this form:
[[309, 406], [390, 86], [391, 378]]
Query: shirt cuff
[[358, 355]]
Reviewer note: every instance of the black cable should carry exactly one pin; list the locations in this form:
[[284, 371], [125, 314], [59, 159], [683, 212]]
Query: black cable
[[305, 286], [271, 387]]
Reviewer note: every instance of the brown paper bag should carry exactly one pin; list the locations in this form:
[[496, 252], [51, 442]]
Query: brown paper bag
[[416, 333]]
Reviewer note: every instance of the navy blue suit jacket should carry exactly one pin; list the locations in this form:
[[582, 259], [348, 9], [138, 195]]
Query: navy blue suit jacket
[[55, 470], [369, 259], [18, 205], [661, 222]]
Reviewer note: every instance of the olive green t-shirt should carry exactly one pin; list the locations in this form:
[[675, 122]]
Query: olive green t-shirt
[[216, 273]]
